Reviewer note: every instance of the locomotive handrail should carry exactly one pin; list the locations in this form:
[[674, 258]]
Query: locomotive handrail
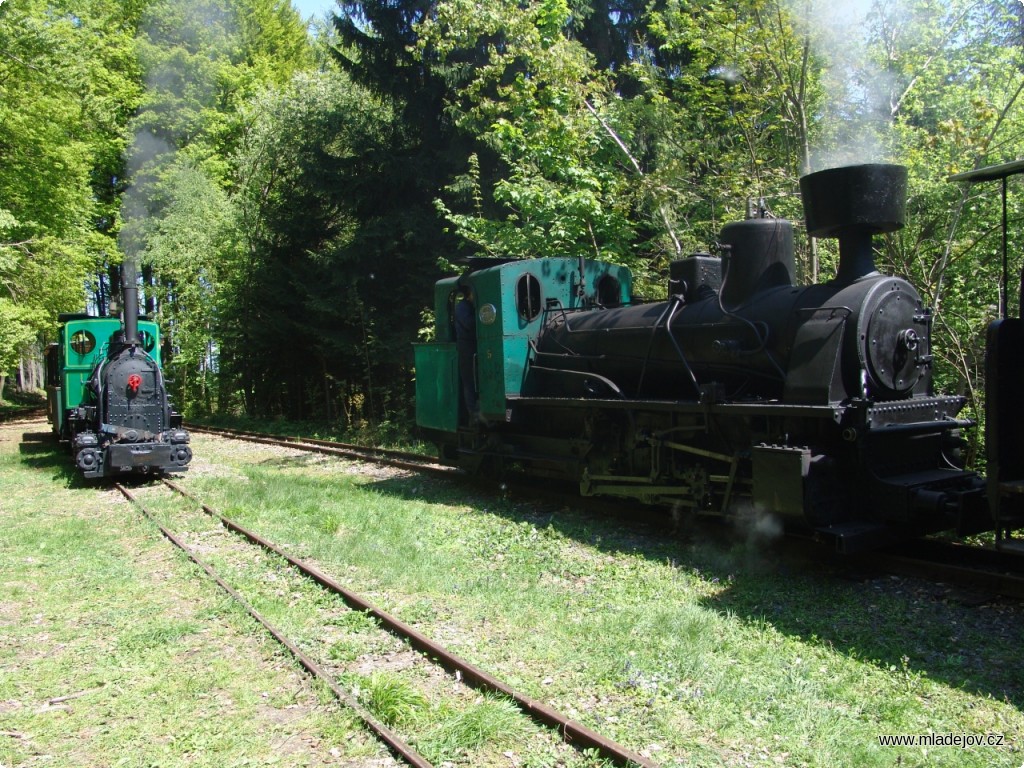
[[916, 426], [1001, 173], [554, 305], [675, 301], [584, 375], [815, 310]]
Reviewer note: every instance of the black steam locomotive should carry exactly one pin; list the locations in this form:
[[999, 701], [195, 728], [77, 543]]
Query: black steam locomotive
[[106, 395], [741, 395]]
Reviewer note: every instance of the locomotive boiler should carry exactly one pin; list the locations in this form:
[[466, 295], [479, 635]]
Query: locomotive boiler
[[742, 394], [107, 398]]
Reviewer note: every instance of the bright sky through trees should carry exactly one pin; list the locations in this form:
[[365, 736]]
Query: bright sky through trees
[[308, 8]]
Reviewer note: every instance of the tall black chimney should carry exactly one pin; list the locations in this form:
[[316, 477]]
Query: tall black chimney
[[130, 302], [853, 203]]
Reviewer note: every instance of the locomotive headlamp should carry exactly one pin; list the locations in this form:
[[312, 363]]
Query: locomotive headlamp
[[488, 314]]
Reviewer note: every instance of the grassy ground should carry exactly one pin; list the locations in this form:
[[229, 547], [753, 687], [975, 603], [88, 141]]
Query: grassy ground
[[697, 655], [114, 653]]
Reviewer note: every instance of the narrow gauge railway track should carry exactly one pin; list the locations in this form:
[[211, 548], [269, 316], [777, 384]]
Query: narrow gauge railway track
[[571, 732], [395, 743], [976, 568], [394, 458], [27, 412], [959, 565]]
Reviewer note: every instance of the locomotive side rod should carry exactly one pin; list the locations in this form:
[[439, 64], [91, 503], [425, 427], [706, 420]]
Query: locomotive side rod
[[574, 733]]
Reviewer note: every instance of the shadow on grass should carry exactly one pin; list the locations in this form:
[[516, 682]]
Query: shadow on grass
[[40, 450], [298, 460], [907, 626]]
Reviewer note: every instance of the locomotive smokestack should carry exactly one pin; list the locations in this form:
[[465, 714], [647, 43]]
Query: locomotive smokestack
[[130, 296], [854, 203]]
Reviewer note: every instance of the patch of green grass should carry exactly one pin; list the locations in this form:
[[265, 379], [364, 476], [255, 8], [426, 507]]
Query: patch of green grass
[[113, 651], [487, 720], [392, 699], [714, 655], [441, 730], [155, 633]]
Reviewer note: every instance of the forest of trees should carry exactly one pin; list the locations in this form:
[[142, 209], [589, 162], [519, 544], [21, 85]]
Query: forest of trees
[[290, 192]]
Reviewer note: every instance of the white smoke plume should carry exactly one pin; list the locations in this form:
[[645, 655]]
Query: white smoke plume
[[177, 42], [859, 92]]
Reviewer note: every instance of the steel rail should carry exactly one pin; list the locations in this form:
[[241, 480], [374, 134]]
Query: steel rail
[[574, 733], [312, 441], [960, 565], [395, 458], [395, 743]]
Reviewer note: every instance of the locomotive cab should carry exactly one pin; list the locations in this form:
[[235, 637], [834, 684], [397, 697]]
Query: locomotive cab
[[83, 343], [511, 300], [1004, 381]]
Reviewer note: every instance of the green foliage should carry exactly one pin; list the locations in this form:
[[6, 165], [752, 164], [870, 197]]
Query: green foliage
[[17, 331], [289, 220], [615, 161], [530, 103], [66, 83]]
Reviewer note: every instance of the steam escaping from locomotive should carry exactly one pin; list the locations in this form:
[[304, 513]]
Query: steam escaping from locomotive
[[860, 93]]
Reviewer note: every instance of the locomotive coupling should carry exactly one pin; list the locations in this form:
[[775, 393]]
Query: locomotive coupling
[[935, 502], [964, 507]]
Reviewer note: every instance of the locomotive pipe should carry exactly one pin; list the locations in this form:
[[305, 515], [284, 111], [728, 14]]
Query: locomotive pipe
[[130, 294], [856, 256]]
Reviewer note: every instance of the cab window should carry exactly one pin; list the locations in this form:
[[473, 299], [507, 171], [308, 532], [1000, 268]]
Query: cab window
[[608, 291], [528, 298], [83, 342]]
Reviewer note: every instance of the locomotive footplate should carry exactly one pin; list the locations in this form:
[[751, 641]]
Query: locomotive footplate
[[916, 413]]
